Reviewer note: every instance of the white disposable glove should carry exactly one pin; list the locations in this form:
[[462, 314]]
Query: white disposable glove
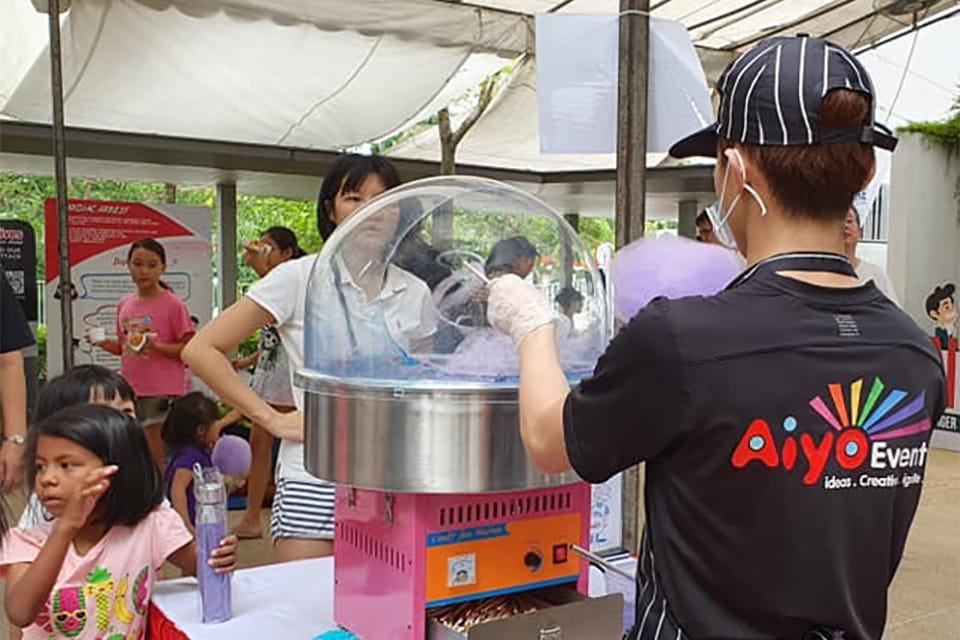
[[515, 307]]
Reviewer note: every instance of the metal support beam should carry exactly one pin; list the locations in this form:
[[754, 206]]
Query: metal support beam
[[227, 249], [688, 211], [60, 172], [631, 192], [566, 251]]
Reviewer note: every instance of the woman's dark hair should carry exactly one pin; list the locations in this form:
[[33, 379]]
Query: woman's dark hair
[[137, 488], [76, 386], [567, 297], [506, 252], [187, 415], [348, 173], [286, 239], [149, 244]]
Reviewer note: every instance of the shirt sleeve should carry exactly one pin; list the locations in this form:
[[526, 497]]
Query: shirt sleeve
[[22, 545], [14, 330], [279, 290], [180, 323], [428, 319], [634, 406], [169, 533]]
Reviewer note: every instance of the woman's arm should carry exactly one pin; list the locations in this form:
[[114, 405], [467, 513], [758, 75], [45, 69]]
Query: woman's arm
[[178, 495], [223, 559], [543, 391], [242, 364], [206, 357]]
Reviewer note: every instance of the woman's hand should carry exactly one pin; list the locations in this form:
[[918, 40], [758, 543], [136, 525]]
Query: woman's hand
[[81, 504], [286, 426], [223, 559]]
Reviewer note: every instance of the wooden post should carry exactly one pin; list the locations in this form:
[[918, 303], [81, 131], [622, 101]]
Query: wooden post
[[631, 179]]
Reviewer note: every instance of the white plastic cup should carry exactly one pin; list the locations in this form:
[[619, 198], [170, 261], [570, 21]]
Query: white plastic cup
[[97, 334]]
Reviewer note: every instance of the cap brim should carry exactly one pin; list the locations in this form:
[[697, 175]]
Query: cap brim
[[702, 143]]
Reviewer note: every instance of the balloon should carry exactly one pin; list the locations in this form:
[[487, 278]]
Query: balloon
[[671, 267], [232, 455]]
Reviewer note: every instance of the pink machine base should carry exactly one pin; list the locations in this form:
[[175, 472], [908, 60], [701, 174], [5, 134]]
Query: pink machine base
[[381, 544]]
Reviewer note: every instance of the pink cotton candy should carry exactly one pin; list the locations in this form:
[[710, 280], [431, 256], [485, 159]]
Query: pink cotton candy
[[671, 267]]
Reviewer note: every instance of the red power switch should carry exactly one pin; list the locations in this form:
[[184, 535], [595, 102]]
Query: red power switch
[[559, 553]]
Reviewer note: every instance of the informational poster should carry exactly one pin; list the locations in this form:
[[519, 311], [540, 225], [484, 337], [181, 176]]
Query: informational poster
[[100, 237], [18, 256], [606, 515]]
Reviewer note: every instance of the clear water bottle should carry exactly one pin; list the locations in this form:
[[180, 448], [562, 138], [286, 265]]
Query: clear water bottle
[[211, 495]]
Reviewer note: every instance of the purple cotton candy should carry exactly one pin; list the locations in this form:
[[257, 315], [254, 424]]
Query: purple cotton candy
[[668, 266], [232, 456], [215, 602]]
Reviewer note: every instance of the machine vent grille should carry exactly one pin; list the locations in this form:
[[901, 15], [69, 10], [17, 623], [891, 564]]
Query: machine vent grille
[[372, 547], [500, 508]]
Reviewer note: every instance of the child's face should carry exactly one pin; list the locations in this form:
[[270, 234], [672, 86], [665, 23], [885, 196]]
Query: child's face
[[62, 467], [146, 268], [124, 406]]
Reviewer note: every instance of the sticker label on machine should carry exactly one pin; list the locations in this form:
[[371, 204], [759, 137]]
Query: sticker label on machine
[[500, 557]]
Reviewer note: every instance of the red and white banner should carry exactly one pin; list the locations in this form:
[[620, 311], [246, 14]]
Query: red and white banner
[[100, 237]]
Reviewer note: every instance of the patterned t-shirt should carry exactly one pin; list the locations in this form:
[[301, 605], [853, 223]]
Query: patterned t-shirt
[[105, 593]]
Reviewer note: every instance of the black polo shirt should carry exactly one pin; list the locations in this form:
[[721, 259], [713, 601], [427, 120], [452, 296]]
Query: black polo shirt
[[14, 331], [784, 428]]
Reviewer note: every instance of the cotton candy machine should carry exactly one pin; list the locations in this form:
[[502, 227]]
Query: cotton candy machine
[[444, 527]]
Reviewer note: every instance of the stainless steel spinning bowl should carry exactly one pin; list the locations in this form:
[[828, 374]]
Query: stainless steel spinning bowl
[[417, 438]]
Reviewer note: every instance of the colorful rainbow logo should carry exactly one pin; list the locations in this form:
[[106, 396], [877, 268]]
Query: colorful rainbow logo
[[874, 414]]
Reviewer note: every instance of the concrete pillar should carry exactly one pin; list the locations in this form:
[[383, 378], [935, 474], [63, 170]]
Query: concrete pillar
[[688, 211], [227, 251]]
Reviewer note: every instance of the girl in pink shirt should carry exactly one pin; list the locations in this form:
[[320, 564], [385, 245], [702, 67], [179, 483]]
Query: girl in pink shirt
[[89, 574], [153, 325]]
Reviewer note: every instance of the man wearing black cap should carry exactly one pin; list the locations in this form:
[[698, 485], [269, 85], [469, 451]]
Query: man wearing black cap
[[784, 421]]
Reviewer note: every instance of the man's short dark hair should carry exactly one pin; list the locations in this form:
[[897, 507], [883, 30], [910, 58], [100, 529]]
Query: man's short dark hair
[[939, 295], [137, 488]]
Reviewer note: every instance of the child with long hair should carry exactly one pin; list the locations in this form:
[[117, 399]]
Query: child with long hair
[[82, 384], [190, 431], [153, 325], [271, 378], [90, 573]]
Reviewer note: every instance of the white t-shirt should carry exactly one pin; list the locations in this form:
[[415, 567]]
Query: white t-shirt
[[282, 292], [867, 271]]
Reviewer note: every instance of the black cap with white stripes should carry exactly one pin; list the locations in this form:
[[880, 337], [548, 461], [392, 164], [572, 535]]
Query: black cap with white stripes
[[772, 94]]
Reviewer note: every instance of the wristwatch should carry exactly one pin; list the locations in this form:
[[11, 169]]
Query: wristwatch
[[15, 439]]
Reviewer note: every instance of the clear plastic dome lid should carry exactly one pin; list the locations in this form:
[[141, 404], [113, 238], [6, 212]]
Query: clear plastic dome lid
[[398, 294]]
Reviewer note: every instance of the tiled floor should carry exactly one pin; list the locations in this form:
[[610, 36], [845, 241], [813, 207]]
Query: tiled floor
[[925, 596]]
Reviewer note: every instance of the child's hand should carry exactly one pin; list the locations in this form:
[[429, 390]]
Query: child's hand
[[80, 505], [223, 559]]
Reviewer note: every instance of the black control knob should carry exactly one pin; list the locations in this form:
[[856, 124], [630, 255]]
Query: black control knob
[[533, 560]]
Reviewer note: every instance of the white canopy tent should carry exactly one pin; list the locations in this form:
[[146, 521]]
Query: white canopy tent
[[328, 74]]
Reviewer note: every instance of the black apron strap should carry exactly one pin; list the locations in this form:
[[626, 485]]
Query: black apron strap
[[799, 261]]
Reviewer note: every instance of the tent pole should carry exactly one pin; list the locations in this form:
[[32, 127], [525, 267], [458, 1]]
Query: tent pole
[[60, 171], [227, 251], [631, 182]]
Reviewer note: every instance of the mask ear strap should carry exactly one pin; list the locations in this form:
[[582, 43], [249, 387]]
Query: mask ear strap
[[748, 188]]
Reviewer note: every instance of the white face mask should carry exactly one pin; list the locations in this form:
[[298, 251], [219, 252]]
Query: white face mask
[[720, 219]]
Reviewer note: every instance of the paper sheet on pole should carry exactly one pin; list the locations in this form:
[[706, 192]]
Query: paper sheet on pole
[[577, 63]]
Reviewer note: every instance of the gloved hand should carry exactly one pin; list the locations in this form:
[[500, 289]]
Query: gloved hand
[[516, 308]]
